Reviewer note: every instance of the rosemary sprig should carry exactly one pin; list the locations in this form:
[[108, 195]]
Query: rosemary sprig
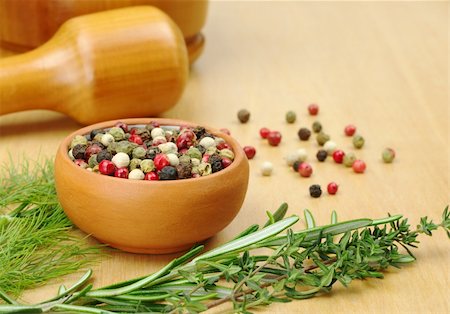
[[299, 265], [36, 243]]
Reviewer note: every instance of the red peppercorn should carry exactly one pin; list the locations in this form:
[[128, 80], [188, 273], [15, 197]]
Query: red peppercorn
[[92, 150], [226, 162], [359, 166], [183, 151], [122, 125], [185, 139], [205, 158], [80, 163], [350, 130], [196, 175], [133, 131], [161, 161], [136, 139], [222, 145], [338, 156], [264, 132], [106, 167], [274, 138], [249, 151], [152, 176], [121, 173], [226, 131], [332, 188], [305, 169], [313, 109]]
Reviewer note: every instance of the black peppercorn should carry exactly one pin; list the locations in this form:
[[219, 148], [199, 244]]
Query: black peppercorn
[[201, 149], [95, 132], [216, 166], [168, 173], [214, 158], [321, 155], [199, 131], [104, 155], [296, 165], [184, 171], [244, 115], [78, 151], [304, 134], [317, 127], [152, 152], [315, 190]]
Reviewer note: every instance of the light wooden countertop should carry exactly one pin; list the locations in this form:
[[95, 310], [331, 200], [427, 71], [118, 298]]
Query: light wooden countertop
[[382, 66]]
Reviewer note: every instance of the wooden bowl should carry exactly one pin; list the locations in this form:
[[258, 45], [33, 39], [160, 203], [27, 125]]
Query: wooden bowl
[[154, 217]]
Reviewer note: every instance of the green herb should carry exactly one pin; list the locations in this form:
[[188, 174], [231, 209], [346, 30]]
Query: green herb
[[299, 265], [35, 240]]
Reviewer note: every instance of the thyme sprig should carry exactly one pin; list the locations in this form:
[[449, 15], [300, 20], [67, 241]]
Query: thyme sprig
[[294, 265], [36, 243]]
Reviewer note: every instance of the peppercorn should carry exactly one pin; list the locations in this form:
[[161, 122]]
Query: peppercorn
[[184, 171], [122, 147], [117, 133], [139, 152], [211, 150], [152, 152], [121, 160], [313, 109], [322, 138], [214, 158], [243, 115], [266, 168], [81, 163], [168, 173], [199, 131], [249, 151], [78, 139], [274, 138], [194, 152], [349, 159], [349, 130], [216, 166], [321, 155], [226, 153], [121, 173], [317, 127], [71, 155], [291, 116], [173, 159], [157, 132], [296, 165], [95, 132], [358, 141], [226, 162], [315, 191], [207, 142], [201, 149], [136, 139], [93, 161], [388, 155], [338, 156], [223, 145], [359, 166], [151, 176], [330, 147], [107, 139], [185, 139], [304, 134], [332, 188], [103, 155], [264, 132], [184, 159], [92, 150], [204, 169], [147, 165], [135, 163], [305, 169], [78, 151], [122, 125], [136, 174], [107, 167]]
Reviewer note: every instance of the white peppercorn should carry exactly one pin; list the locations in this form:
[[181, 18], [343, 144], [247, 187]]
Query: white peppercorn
[[136, 174], [121, 160]]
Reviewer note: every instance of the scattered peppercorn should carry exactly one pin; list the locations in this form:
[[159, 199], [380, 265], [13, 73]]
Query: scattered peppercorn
[[322, 138], [249, 151], [274, 138], [358, 141], [316, 127], [305, 170], [313, 109], [304, 134], [332, 188], [349, 159], [388, 155], [266, 168], [349, 130], [359, 166], [321, 155], [264, 132], [291, 116], [296, 165], [330, 147], [338, 156], [243, 115], [315, 191]]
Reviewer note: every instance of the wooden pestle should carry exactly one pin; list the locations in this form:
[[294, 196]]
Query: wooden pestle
[[129, 62]]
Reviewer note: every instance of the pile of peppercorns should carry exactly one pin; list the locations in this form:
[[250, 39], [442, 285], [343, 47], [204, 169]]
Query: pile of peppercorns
[[151, 152], [297, 159]]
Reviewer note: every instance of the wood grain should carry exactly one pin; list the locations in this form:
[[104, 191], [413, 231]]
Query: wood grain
[[382, 66]]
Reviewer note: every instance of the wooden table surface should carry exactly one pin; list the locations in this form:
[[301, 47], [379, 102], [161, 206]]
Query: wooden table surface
[[381, 66]]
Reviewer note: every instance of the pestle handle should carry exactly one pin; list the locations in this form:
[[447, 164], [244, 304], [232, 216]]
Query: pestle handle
[[122, 63]]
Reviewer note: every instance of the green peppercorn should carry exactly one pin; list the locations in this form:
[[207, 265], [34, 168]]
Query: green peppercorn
[[194, 152], [226, 153], [117, 133], [304, 134], [92, 162], [95, 132], [204, 169], [322, 155], [124, 147], [78, 139], [349, 159], [139, 152], [317, 127], [322, 138], [358, 141], [243, 115], [291, 116], [147, 165], [185, 159], [315, 190], [388, 155], [135, 163]]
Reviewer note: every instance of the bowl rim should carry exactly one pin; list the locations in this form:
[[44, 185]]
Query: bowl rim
[[239, 155]]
